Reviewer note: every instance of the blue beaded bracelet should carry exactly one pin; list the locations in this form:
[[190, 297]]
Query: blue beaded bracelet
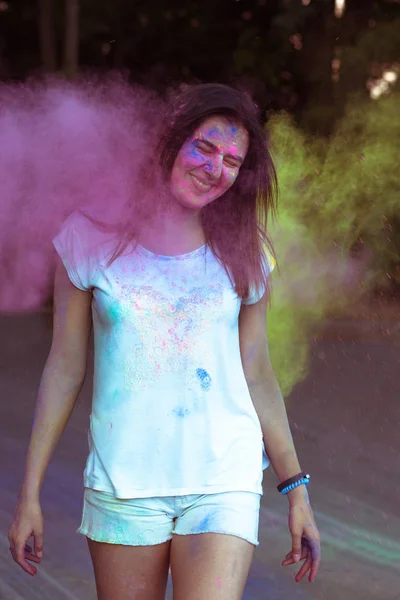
[[289, 488]]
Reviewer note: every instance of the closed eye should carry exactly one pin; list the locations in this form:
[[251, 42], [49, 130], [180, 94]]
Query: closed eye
[[232, 164], [204, 146], [208, 148]]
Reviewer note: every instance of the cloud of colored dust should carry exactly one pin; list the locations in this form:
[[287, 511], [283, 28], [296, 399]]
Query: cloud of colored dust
[[333, 237], [65, 146]]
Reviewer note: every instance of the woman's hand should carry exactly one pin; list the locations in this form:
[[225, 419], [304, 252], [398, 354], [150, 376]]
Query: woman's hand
[[27, 521], [305, 541]]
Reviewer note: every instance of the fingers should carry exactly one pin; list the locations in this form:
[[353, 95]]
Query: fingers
[[307, 557], [19, 557], [296, 546], [289, 560], [22, 552], [305, 541], [38, 537], [316, 558], [306, 567], [30, 555], [311, 554]]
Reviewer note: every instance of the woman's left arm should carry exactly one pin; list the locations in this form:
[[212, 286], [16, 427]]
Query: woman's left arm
[[270, 407]]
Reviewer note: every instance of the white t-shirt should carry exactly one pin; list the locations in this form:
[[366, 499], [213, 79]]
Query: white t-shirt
[[171, 410]]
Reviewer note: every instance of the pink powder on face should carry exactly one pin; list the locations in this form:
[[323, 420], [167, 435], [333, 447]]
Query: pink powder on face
[[204, 168], [65, 146], [219, 583]]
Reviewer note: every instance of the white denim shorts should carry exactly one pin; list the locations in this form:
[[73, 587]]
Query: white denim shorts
[[150, 521]]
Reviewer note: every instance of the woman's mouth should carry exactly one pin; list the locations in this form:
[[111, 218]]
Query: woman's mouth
[[200, 185]]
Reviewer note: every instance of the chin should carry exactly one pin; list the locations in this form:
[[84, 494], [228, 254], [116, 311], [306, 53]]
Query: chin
[[194, 202]]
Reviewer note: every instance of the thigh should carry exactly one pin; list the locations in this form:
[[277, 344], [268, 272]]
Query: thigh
[[129, 543], [130, 572], [213, 545], [210, 565]]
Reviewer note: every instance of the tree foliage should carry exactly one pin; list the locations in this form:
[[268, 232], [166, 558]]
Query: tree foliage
[[282, 49]]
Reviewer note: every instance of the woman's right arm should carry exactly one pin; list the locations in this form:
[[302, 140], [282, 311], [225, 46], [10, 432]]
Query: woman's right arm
[[62, 378]]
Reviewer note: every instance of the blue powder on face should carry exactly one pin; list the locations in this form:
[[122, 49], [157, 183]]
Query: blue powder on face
[[205, 379], [195, 153], [214, 132]]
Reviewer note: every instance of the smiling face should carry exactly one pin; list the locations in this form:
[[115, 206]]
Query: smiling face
[[208, 163]]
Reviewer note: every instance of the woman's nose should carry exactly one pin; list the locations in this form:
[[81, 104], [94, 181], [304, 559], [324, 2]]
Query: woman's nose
[[214, 166]]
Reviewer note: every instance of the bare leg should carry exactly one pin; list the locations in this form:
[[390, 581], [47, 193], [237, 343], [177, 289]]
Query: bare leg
[[130, 572], [207, 566]]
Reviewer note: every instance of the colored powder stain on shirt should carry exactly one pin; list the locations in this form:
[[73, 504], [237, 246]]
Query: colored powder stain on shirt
[[205, 379], [181, 412], [115, 311]]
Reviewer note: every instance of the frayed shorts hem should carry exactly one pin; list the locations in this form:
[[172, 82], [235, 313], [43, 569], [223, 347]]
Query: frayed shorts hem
[[168, 539], [153, 521], [242, 537], [123, 542]]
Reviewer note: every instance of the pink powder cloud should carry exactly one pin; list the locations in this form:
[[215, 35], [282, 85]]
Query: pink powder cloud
[[65, 146]]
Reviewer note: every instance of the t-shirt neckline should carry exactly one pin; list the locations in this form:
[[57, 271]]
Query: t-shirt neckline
[[187, 255]]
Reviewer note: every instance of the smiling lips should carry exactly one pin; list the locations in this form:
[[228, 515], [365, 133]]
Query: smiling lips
[[200, 185]]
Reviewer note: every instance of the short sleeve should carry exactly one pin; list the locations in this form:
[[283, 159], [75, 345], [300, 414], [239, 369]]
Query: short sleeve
[[255, 293], [72, 244]]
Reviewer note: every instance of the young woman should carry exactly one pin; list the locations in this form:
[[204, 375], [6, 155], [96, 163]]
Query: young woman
[[186, 409]]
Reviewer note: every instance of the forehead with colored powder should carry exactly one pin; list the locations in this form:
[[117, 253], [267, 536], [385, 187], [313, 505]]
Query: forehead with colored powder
[[221, 130]]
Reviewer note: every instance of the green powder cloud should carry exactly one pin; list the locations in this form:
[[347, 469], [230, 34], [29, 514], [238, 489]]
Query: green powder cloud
[[339, 198]]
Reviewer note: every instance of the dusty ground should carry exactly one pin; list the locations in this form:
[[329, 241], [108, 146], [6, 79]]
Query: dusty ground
[[345, 419]]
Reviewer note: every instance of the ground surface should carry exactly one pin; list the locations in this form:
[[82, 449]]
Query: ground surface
[[345, 419]]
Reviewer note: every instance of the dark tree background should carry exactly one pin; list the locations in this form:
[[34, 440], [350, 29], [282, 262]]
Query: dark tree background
[[285, 50]]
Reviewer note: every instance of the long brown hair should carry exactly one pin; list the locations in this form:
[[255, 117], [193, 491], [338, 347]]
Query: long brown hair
[[235, 225]]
